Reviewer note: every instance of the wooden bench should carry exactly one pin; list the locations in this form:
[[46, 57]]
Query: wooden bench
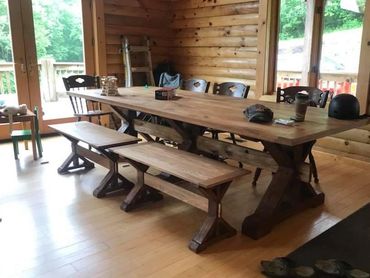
[[202, 183], [101, 139]]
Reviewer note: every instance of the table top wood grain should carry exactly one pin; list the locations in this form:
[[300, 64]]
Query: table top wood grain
[[226, 114]]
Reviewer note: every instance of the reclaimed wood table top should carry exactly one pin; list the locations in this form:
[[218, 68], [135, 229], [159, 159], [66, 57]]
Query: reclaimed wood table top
[[226, 114]]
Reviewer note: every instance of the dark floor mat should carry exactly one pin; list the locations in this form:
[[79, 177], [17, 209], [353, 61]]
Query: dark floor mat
[[348, 240]]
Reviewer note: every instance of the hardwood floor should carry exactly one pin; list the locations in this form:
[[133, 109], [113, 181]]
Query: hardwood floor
[[52, 226]]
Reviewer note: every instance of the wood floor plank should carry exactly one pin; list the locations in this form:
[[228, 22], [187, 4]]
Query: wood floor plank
[[52, 226]]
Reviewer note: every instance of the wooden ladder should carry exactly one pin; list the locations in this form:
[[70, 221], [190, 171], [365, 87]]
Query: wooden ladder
[[127, 49]]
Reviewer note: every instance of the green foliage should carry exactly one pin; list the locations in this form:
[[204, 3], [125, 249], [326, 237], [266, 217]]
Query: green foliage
[[339, 19], [293, 16], [57, 30], [5, 49], [292, 19]]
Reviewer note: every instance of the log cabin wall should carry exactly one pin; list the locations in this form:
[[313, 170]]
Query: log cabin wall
[[135, 19], [353, 143], [215, 40]]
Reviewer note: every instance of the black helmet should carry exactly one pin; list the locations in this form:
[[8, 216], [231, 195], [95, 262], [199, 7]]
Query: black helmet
[[344, 107]]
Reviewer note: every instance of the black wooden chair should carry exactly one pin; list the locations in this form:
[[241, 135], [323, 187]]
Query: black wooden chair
[[82, 107], [232, 89], [195, 85], [318, 99]]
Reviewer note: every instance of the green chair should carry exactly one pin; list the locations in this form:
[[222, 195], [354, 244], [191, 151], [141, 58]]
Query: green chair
[[25, 134]]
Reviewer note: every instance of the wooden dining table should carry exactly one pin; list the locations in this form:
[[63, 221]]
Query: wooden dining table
[[286, 147], [30, 118]]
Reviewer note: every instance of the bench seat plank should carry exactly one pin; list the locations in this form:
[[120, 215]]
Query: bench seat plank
[[200, 171], [94, 135]]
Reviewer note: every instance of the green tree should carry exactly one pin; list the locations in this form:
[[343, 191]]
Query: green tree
[[58, 30], [293, 16], [5, 45]]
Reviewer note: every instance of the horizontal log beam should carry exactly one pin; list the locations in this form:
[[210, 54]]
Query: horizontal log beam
[[221, 10]]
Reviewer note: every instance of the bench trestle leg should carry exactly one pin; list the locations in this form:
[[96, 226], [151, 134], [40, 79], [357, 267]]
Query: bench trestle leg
[[74, 159], [110, 183], [214, 228], [140, 193]]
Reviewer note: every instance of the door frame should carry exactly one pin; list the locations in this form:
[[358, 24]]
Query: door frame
[[25, 57], [316, 23]]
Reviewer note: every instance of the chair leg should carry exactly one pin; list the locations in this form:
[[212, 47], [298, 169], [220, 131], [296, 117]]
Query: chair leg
[[15, 148], [257, 174], [114, 122], [39, 145], [313, 167], [232, 135]]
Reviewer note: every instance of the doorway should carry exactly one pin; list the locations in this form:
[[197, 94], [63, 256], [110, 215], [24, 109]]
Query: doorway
[[319, 44], [40, 42]]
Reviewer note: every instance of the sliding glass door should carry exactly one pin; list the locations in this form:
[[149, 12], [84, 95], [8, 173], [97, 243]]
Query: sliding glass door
[[319, 44], [341, 45], [8, 89], [59, 50], [40, 42]]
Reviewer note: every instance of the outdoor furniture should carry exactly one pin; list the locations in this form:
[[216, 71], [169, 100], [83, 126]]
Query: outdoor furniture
[[287, 147], [318, 98], [26, 134], [101, 139], [29, 117], [195, 85], [84, 108], [202, 182]]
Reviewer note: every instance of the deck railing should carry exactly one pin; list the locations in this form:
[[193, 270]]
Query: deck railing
[[50, 73], [7, 85], [336, 83], [52, 86]]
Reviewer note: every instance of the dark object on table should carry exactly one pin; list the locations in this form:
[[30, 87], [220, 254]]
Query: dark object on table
[[302, 100], [348, 240], [258, 113], [344, 107], [165, 93]]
